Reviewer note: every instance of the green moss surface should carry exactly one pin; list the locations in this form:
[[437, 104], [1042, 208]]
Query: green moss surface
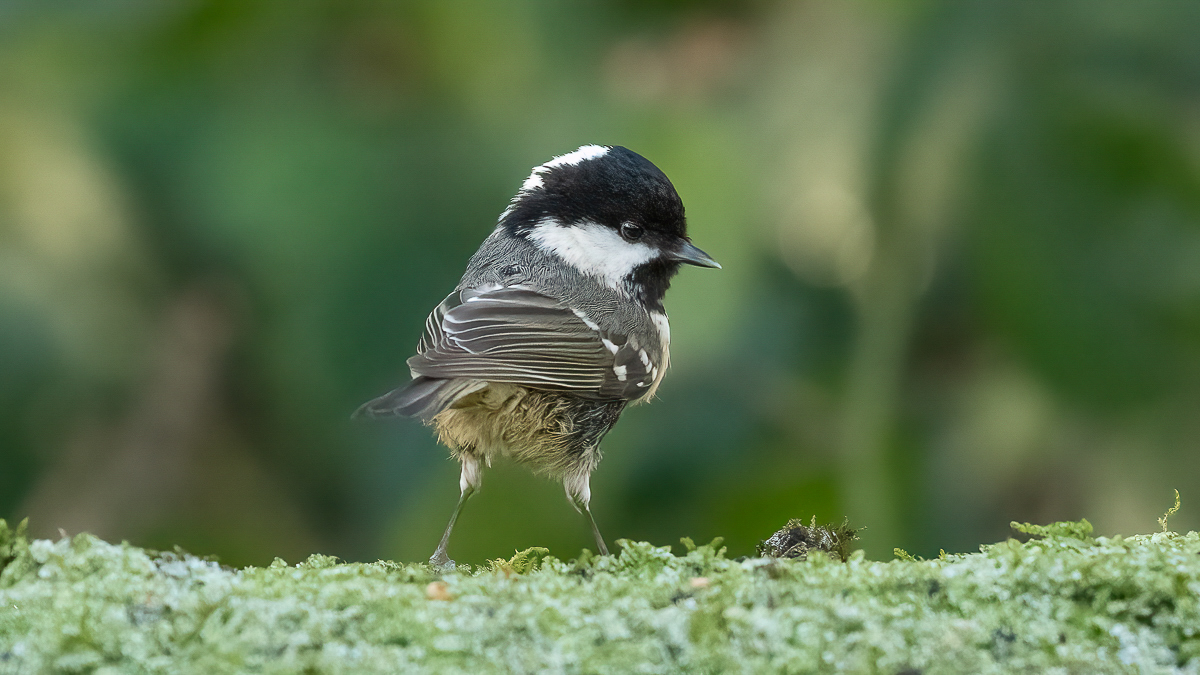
[[1064, 603]]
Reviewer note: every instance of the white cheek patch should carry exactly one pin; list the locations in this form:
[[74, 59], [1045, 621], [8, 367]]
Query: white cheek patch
[[593, 249]]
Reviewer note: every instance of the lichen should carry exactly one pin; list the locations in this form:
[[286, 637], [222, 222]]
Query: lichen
[[1059, 603]]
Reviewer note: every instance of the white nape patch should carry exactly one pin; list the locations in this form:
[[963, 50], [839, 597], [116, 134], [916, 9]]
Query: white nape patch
[[586, 321], [620, 371], [608, 344], [535, 182], [593, 249], [584, 152]]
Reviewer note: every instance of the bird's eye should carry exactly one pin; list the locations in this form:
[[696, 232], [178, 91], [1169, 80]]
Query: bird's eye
[[631, 232]]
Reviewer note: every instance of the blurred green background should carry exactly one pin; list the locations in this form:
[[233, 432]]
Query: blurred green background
[[961, 246]]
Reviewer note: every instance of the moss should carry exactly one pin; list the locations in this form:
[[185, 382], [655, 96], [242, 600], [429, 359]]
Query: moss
[[1064, 602], [523, 562], [1081, 530]]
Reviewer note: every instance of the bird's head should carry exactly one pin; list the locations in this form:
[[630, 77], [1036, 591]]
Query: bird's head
[[610, 213]]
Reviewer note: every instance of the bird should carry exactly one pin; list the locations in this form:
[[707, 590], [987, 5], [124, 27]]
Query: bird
[[556, 326]]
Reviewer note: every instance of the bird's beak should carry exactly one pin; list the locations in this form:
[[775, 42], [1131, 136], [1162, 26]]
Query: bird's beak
[[690, 254]]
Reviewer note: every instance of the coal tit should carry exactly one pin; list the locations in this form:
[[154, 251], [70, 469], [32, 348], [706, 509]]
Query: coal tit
[[557, 324]]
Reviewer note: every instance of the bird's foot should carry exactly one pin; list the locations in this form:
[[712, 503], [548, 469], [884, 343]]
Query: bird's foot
[[441, 562]]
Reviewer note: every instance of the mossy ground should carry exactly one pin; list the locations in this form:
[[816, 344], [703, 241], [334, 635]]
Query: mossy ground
[[1062, 603]]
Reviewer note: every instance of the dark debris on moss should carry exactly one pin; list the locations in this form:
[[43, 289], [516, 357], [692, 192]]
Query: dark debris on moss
[[797, 540]]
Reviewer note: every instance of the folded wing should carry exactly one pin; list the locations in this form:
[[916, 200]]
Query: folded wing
[[518, 336]]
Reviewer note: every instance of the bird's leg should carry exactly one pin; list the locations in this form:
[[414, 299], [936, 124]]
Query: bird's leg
[[468, 483], [595, 531], [580, 493], [439, 558]]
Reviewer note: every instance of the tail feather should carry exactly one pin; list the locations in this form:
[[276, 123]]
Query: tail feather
[[424, 397]]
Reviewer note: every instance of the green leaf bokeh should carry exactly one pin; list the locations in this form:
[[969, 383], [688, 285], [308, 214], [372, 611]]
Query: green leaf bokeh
[[961, 253]]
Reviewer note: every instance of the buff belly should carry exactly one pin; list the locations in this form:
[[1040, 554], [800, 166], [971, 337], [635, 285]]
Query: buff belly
[[554, 434]]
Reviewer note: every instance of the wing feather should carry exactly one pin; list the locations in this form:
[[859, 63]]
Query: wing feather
[[519, 336]]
